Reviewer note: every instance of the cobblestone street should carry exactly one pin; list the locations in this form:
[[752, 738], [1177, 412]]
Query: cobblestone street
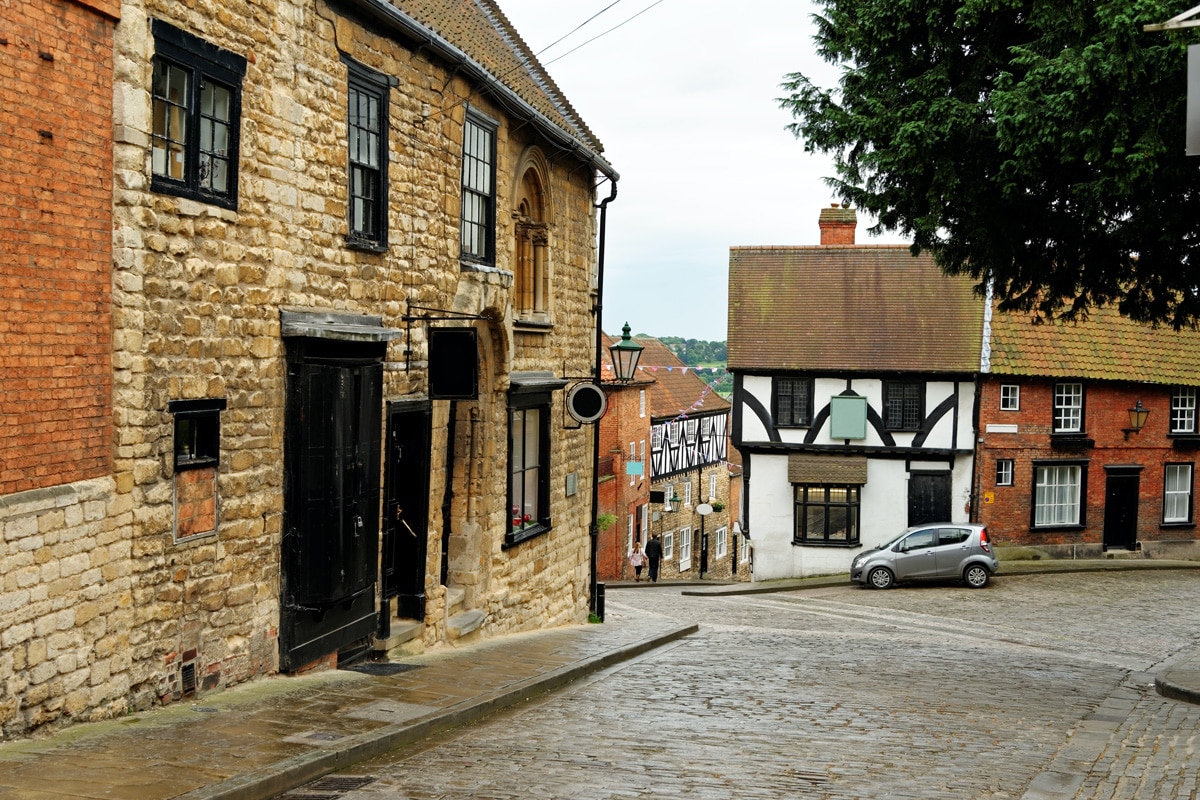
[[1034, 687]]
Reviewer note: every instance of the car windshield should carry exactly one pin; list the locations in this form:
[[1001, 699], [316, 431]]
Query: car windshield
[[893, 540]]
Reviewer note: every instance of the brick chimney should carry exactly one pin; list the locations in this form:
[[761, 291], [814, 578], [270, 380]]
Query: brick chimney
[[837, 224]]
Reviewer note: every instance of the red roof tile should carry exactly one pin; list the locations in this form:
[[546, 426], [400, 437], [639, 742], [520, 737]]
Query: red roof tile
[[1105, 346]]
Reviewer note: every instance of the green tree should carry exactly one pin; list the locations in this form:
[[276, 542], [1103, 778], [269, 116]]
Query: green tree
[[1036, 145]]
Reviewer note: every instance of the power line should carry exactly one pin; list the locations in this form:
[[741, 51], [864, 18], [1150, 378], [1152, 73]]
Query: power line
[[577, 27], [600, 35]]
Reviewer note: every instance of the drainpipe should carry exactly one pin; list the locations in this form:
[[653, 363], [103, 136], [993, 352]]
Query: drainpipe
[[593, 528]]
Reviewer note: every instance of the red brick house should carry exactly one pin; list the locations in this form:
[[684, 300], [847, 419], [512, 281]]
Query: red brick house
[[1061, 466], [624, 488]]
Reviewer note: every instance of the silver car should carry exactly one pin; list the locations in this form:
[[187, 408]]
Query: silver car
[[935, 551]]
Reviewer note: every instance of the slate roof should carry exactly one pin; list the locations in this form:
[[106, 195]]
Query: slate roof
[[850, 308], [675, 387], [1105, 346], [480, 29]]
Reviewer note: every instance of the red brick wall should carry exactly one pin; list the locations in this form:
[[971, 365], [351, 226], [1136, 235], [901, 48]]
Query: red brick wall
[[56, 120], [1106, 413], [621, 425]]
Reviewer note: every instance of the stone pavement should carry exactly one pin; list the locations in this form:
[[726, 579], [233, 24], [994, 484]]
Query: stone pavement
[[266, 737]]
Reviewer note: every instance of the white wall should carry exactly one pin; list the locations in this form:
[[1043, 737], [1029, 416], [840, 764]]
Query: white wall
[[884, 500]]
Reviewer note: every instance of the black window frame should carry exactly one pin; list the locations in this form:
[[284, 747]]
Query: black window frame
[[196, 433], [802, 502], [909, 398], [519, 405], [1038, 466], [1190, 520], [365, 83], [792, 410], [204, 63], [478, 209]]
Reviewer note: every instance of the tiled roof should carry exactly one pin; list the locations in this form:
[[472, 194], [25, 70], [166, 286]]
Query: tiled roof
[[479, 29], [675, 387], [1105, 346], [852, 308]]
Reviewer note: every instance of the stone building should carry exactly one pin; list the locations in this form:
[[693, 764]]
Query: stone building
[[353, 263]]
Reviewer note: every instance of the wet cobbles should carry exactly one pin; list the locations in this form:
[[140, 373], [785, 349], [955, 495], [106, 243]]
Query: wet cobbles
[[1035, 687]]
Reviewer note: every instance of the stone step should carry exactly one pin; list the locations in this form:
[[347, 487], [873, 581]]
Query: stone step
[[462, 624], [1124, 553], [403, 631]]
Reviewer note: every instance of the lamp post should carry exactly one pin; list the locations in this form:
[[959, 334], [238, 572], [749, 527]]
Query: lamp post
[[704, 509], [625, 355]]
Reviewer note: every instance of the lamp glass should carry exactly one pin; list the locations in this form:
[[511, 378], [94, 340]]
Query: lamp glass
[[1138, 415], [625, 355]]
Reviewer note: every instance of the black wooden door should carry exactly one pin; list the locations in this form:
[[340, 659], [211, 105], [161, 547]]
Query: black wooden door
[[331, 511], [1121, 508], [406, 509], [928, 497]]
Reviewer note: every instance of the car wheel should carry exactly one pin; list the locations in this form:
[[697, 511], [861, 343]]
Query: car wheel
[[880, 578], [976, 576]]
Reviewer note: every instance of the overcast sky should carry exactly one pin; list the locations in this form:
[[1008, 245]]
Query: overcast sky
[[683, 98]]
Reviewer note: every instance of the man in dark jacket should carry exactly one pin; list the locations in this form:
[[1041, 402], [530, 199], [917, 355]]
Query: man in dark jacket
[[654, 554]]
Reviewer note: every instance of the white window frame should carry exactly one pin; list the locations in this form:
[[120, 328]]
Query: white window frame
[[1057, 496], [641, 402], [1177, 493], [1068, 408], [656, 438], [632, 457], [685, 549], [1010, 397], [712, 484], [722, 542], [1183, 409], [1004, 472], [687, 495], [629, 532], [668, 545]]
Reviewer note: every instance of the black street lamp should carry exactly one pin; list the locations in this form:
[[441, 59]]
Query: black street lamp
[[625, 355]]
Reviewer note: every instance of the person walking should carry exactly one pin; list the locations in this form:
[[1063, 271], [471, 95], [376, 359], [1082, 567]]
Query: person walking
[[638, 560], [653, 556]]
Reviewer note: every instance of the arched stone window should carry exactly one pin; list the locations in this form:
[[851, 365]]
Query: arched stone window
[[532, 285]]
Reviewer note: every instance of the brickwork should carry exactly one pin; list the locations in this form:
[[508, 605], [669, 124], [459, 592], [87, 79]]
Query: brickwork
[[55, 242], [1008, 510], [622, 495], [107, 603]]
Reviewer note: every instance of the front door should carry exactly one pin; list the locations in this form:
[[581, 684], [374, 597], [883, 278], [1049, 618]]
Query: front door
[[1121, 508], [928, 497], [406, 508], [331, 500]]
